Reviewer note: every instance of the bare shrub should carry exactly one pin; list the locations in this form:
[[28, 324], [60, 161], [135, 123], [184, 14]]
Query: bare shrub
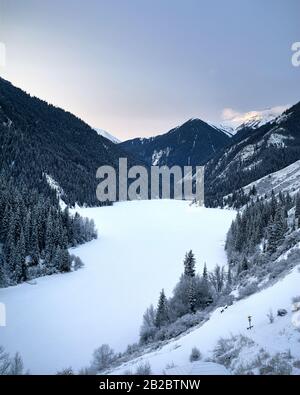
[[270, 316], [65, 372], [277, 365], [143, 369]]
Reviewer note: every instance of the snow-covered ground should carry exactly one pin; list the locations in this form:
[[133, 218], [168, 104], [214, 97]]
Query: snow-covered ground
[[284, 180], [60, 321], [280, 336]]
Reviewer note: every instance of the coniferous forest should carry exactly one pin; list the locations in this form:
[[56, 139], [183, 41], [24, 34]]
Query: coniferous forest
[[36, 234], [41, 142]]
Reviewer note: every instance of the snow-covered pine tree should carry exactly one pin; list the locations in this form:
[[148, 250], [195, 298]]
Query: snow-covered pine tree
[[276, 230], [297, 211], [192, 296], [244, 264], [229, 277], [189, 264], [205, 274], [162, 316]]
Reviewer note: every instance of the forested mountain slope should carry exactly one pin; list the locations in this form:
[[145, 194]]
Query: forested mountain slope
[[37, 138], [254, 155]]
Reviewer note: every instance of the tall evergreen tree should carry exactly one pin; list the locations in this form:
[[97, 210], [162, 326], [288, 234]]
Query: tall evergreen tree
[[189, 264], [192, 296], [297, 209], [205, 274], [162, 316]]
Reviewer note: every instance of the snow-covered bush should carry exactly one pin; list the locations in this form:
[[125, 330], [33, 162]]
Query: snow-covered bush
[[170, 365], [87, 371], [143, 369], [127, 372], [229, 349], [276, 365], [195, 355], [132, 348], [296, 364], [248, 290], [76, 262], [103, 357], [65, 372], [242, 357], [180, 326]]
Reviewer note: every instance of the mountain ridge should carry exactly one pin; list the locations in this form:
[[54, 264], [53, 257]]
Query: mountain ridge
[[192, 143], [38, 138]]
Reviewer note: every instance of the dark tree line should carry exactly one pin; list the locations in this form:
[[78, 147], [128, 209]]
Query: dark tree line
[[35, 234], [261, 227]]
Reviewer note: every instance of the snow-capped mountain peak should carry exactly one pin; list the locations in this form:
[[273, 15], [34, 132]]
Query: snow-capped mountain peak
[[107, 135], [234, 121], [258, 118]]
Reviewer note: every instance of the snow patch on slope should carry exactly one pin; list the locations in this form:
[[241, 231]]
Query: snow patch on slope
[[158, 155], [108, 136], [56, 187], [278, 140], [284, 180], [251, 119]]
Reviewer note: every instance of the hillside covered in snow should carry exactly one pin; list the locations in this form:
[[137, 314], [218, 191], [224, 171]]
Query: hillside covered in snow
[[242, 350]]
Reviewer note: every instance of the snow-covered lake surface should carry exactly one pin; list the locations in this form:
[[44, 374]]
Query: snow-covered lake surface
[[141, 245]]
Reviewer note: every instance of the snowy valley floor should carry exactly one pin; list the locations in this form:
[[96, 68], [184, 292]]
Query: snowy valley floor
[[140, 248]]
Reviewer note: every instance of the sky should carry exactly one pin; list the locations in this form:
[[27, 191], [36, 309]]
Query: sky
[[141, 67]]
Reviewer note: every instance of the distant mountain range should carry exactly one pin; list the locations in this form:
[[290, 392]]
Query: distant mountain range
[[234, 157], [253, 154], [192, 143], [195, 141], [41, 142]]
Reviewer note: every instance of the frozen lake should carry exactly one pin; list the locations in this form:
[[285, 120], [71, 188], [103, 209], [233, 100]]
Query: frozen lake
[[140, 249]]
